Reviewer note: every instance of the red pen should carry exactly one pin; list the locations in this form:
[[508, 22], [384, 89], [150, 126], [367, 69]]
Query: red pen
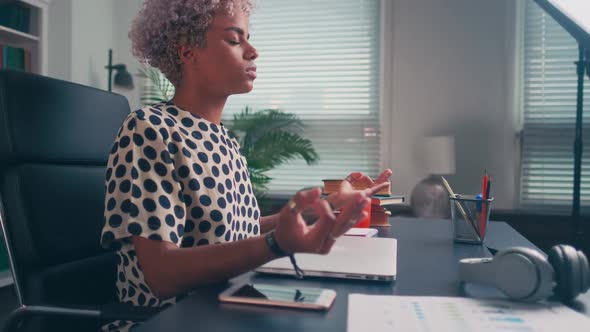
[[484, 193]]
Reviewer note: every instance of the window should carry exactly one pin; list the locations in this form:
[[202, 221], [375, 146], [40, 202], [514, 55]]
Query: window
[[549, 113], [319, 60]]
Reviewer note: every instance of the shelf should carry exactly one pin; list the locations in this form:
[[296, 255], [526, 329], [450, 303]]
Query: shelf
[[5, 278], [17, 38]]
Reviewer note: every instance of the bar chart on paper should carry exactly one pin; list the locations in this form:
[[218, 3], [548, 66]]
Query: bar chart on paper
[[430, 314]]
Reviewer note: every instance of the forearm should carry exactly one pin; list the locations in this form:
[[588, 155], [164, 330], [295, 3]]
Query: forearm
[[171, 271], [268, 223]]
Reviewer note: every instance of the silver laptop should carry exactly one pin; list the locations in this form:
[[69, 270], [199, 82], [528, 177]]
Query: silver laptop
[[351, 257]]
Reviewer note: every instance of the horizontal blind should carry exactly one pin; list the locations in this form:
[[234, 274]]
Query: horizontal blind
[[550, 92], [319, 60]]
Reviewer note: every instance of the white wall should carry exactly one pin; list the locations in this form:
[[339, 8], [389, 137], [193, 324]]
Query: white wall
[[59, 44], [451, 77]]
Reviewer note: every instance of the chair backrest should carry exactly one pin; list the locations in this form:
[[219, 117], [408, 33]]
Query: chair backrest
[[55, 138]]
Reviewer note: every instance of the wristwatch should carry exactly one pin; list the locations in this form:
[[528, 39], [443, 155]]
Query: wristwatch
[[271, 241]]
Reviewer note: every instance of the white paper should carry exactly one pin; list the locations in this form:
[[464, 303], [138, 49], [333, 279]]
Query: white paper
[[363, 232], [378, 313]]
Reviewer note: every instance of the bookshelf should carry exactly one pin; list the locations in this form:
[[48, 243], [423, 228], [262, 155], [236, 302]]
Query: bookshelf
[[34, 44], [35, 40]]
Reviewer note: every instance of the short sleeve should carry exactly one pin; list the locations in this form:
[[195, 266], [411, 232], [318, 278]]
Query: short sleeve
[[143, 195]]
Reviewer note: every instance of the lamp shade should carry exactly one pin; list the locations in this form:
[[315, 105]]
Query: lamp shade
[[438, 155]]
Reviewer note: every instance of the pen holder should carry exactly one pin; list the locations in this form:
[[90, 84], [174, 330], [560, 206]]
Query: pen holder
[[470, 217]]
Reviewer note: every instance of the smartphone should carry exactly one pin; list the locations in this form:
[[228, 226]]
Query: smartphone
[[280, 295]]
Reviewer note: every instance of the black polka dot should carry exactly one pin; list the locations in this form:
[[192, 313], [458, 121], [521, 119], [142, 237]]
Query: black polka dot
[[138, 139], [150, 134], [108, 237], [165, 156], [150, 152], [216, 215], [187, 122], [120, 171], [173, 237], [203, 126], [149, 205], [160, 169], [215, 171], [131, 124], [247, 200], [209, 182], [194, 185], [228, 197], [197, 135], [116, 160], [164, 133], [216, 158], [170, 221], [203, 157], [126, 206], [197, 212], [183, 171], [198, 169], [134, 228], [186, 152], [172, 148], [255, 229], [221, 202], [144, 165], [150, 185], [125, 186], [208, 145], [187, 241], [144, 288], [228, 235], [179, 211], [237, 177], [190, 144], [184, 131], [129, 157], [205, 200], [219, 230], [154, 223], [155, 120], [256, 215], [111, 204], [135, 272], [164, 202], [214, 138], [189, 226], [228, 184], [136, 191], [180, 230], [124, 142], [156, 237], [203, 242], [188, 201], [214, 127], [249, 227], [109, 173], [204, 226], [228, 217], [115, 220]]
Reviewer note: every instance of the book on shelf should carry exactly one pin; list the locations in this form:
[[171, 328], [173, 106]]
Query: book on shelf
[[332, 186], [379, 216], [382, 200], [15, 16], [13, 58]]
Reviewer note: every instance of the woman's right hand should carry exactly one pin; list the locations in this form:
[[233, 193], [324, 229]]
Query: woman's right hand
[[294, 235]]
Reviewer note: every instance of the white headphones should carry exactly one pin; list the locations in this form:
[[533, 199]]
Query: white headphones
[[527, 275]]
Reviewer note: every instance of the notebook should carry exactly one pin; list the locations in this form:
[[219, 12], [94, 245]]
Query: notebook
[[351, 257]]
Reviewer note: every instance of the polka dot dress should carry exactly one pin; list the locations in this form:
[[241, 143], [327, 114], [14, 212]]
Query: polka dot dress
[[174, 177]]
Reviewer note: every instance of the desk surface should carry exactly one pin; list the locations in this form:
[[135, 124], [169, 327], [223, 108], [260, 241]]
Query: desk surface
[[427, 265]]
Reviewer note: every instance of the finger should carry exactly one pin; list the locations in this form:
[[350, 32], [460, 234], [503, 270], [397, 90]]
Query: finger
[[384, 176], [303, 199], [376, 188], [354, 176], [322, 228], [350, 215]]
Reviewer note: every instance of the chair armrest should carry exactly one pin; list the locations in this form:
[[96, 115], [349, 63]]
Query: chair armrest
[[106, 312]]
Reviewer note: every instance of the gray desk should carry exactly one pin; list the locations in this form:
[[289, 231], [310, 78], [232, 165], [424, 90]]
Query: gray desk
[[427, 265]]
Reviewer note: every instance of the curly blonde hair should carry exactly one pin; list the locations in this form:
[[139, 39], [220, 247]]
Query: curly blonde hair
[[162, 26]]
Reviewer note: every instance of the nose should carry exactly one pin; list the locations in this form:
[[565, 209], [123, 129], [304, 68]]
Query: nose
[[251, 53]]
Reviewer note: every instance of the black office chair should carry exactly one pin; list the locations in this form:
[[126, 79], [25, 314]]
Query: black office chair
[[55, 138]]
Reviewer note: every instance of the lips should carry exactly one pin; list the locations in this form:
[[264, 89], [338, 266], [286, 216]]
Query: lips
[[251, 72]]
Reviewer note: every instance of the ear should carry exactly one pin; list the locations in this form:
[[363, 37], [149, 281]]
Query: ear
[[187, 55]]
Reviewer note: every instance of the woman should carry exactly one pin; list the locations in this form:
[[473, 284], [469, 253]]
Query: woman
[[179, 205]]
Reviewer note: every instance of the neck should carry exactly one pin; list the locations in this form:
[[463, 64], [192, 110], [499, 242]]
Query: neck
[[200, 103]]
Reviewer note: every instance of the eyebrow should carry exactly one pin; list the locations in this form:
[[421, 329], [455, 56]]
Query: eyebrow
[[238, 30]]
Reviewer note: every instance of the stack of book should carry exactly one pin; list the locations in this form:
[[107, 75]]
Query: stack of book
[[15, 58], [15, 16], [379, 214]]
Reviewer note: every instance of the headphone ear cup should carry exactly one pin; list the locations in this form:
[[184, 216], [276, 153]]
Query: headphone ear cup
[[569, 271]]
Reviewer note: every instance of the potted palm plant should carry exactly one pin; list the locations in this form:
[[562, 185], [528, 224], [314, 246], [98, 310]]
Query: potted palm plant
[[268, 137]]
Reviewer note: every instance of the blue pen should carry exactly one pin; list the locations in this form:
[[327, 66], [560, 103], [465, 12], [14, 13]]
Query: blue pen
[[479, 197]]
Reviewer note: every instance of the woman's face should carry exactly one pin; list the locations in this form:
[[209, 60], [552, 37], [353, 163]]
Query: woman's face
[[226, 65]]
